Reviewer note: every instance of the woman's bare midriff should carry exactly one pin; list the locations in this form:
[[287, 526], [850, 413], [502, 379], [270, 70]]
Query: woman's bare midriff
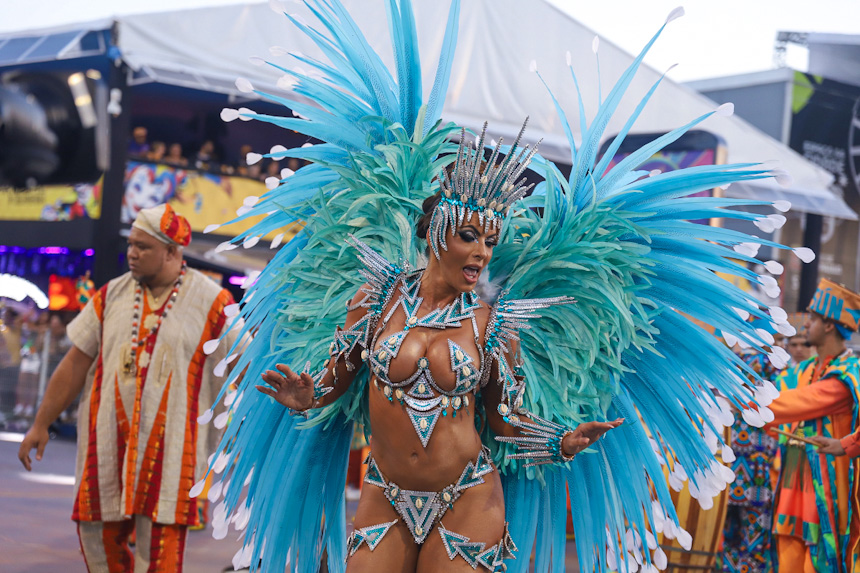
[[400, 455]]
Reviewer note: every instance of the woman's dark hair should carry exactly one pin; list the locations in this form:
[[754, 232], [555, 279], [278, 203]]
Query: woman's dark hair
[[428, 206]]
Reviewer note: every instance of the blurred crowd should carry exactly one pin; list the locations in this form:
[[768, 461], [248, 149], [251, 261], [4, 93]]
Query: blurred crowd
[[205, 158], [32, 343]]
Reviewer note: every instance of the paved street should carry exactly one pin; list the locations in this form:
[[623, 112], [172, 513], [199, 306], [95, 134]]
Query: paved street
[[36, 532], [38, 536]]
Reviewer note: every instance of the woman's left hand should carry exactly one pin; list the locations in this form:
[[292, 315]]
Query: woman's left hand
[[585, 435]]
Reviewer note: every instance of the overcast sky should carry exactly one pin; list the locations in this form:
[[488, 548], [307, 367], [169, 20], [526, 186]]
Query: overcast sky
[[715, 38]]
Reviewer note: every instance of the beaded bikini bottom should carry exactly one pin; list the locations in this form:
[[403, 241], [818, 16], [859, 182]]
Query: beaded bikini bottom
[[422, 510]]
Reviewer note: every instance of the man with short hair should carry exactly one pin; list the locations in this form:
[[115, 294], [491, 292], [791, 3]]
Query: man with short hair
[[816, 510], [139, 357]]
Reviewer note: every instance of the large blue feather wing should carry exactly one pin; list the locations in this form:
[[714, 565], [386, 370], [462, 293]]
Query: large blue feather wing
[[282, 478], [644, 277]]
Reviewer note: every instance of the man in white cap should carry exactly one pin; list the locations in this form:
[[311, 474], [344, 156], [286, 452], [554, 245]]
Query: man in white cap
[[139, 358]]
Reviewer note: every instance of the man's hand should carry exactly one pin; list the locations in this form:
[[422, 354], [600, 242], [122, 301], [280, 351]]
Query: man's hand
[[37, 437], [289, 389], [585, 435], [830, 446]]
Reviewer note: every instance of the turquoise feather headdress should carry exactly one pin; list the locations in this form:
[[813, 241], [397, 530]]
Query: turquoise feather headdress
[[488, 189]]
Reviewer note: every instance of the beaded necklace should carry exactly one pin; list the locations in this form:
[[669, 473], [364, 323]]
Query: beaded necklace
[[130, 367]]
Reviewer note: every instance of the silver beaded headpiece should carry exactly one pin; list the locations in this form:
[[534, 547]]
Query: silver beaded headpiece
[[487, 191]]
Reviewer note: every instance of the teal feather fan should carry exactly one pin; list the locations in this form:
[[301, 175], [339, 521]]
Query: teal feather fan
[[621, 242], [382, 148], [617, 242]]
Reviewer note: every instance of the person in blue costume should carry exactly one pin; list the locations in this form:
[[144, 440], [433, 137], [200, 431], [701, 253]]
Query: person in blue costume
[[440, 369], [585, 319]]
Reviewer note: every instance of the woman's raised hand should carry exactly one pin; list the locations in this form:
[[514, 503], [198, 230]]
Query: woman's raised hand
[[289, 389], [585, 435]]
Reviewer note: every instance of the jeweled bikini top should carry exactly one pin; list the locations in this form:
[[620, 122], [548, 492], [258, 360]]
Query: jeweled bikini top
[[425, 400]]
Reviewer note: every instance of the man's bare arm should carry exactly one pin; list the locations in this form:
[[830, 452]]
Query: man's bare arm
[[66, 383]]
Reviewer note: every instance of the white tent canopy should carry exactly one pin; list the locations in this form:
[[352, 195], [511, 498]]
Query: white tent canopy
[[209, 48]]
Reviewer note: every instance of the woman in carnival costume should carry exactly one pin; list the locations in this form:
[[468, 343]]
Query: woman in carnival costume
[[595, 265]]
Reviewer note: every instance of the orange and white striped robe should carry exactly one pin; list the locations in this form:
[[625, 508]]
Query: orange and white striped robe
[[140, 448]]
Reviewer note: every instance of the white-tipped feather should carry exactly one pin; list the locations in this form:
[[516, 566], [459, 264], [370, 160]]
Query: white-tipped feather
[[243, 210], [786, 329], [225, 246], [278, 6], [778, 220], [286, 82], [764, 335], [221, 420], [782, 177], [278, 51], [250, 200], [231, 310], [728, 455], [533, 66], [246, 114], [684, 537], [253, 158], [765, 224], [229, 114], [777, 313], [205, 417], [244, 85], [725, 110], [805, 254], [210, 346], [675, 14], [774, 267], [211, 228], [220, 462], [272, 182], [276, 242], [197, 488], [752, 417], [256, 60], [287, 172], [230, 397], [660, 560], [595, 44], [782, 205], [276, 149], [567, 58], [730, 339], [220, 368], [250, 241]]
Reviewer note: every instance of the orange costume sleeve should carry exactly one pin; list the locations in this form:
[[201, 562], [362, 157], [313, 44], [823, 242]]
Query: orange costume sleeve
[[851, 444], [827, 397]]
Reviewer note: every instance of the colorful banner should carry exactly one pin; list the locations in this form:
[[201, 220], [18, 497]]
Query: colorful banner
[[203, 198], [51, 203]]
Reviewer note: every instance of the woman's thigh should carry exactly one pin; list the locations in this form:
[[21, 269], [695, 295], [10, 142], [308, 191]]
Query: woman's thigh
[[396, 551], [479, 515]]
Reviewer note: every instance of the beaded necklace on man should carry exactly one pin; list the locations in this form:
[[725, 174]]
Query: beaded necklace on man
[[130, 366]]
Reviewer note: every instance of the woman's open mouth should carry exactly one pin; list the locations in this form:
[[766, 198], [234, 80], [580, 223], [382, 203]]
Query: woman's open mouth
[[471, 273]]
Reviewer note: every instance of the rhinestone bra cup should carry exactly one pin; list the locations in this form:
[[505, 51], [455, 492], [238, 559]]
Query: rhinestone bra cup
[[424, 399]]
